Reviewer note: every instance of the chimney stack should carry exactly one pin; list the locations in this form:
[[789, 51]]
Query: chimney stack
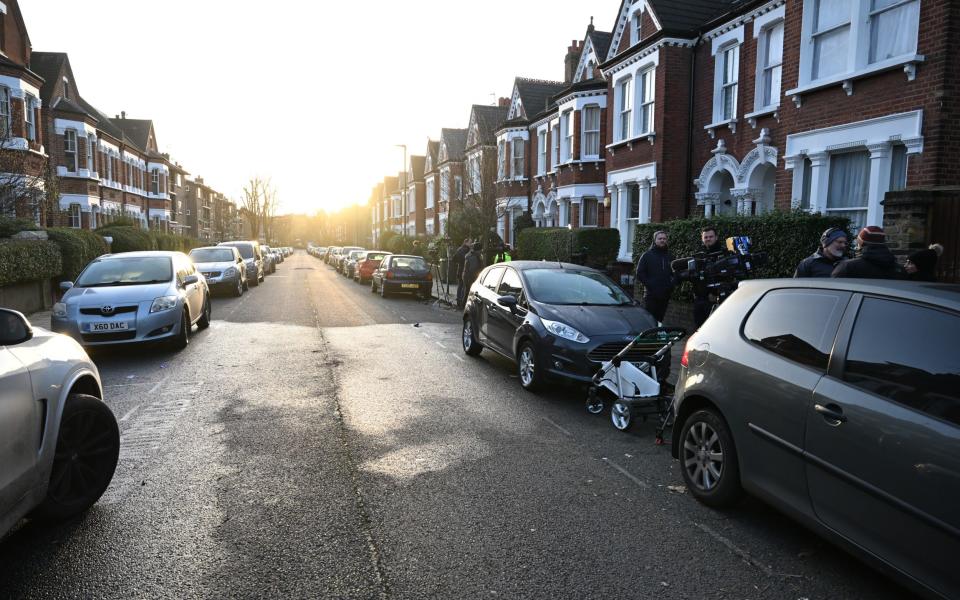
[[570, 62], [503, 102], [123, 114]]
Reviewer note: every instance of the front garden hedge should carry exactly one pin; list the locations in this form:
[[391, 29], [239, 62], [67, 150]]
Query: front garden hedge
[[28, 260], [597, 246], [128, 239], [77, 248]]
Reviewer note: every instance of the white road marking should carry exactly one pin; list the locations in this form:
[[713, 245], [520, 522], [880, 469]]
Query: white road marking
[[627, 474], [403, 317], [158, 384], [736, 550], [557, 425], [441, 345], [129, 413], [428, 336], [457, 356]]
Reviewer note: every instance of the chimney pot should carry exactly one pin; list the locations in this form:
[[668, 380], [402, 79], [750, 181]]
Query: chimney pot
[[123, 114], [504, 102]]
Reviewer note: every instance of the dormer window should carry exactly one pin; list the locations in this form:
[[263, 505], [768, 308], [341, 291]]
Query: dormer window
[[66, 88]]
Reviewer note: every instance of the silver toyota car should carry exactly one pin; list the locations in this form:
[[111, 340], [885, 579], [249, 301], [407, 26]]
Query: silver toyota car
[[134, 297]]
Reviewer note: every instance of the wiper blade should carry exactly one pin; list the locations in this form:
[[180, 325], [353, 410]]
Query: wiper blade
[[120, 283]]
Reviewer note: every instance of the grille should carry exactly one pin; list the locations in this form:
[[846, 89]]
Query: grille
[[212, 274], [605, 352], [109, 337], [116, 310]]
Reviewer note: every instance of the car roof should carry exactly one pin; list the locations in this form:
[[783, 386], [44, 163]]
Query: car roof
[[143, 253], [943, 294], [237, 242], [526, 265], [379, 251], [217, 247], [405, 256]]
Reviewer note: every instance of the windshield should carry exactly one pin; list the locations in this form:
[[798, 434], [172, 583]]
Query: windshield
[[246, 250], [562, 286], [127, 271], [376, 255], [208, 255], [414, 263], [355, 254]]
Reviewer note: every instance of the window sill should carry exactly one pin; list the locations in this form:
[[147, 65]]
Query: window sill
[[711, 129], [908, 63], [629, 142], [751, 118]]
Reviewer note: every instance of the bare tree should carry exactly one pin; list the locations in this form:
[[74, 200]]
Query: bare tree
[[29, 186], [268, 209], [479, 212], [253, 199]]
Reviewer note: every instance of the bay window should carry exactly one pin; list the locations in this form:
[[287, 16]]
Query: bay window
[[90, 143], [518, 147], [555, 135], [541, 152], [647, 100], [848, 190], [501, 160], [588, 212], [625, 106], [70, 150], [75, 221], [155, 181], [5, 125], [567, 124], [444, 186], [591, 132], [30, 116], [730, 58]]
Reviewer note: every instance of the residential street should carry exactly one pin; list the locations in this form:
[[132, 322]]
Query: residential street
[[319, 441]]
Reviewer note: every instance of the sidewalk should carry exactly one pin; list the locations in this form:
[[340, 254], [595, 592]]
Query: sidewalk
[[41, 318], [452, 296]]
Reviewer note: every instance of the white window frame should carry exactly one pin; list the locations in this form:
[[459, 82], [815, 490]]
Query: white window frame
[[763, 34], [76, 221], [541, 151], [728, 53], [623, 93], [501, 160], [584, 145], [647, 97], [155, 181], [444, 185], [30, 116], [858, 44], [566, 132], [555, 142], [458, 187], [431, 201], [70, 139], [517, 160], [6, 128], [583, 211]]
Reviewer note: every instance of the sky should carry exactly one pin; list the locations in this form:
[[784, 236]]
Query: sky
[[312, 95]]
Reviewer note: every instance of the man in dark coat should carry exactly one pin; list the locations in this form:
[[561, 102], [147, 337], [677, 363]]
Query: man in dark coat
[[456, 269], [702, 302], [874, 261], [833, 245], [653, 271], [472, 265]]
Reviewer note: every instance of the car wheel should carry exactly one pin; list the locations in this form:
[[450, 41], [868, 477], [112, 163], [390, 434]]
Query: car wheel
[[239, 291], [373, 286], [529, 372], [88, 445], [471, 346], [709, 459], [255, 282], [205, 316], [182, 340], [383, 291], [620, 415], [246, 284]]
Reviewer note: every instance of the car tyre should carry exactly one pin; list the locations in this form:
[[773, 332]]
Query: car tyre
[[708, 459], [373, 286], [88, 446], [182, 339], [383, 290], [471, 346], [620, 415], [531, 376], [239, 289], [206, 315]]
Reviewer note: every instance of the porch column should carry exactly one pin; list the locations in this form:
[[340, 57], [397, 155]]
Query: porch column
[[646, 202], [623, 207], [819, 181], [879, 181]]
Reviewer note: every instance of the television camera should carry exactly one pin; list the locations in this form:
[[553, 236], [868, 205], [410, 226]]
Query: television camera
[[719, 273]]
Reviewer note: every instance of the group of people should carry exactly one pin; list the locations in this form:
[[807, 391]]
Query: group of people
[[874, 260]]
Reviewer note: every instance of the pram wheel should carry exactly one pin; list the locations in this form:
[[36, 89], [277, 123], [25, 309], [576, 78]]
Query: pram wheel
[[594, 402], [620, 415]]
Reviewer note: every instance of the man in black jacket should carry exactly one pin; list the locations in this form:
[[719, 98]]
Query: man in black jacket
[[874, 261], [456, 269], [702, 302], [472, 265], [653, 271], [833, 245]]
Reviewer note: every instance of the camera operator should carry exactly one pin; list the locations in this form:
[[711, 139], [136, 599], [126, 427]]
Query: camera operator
[[833, 246], [702, 300], [653, 271]]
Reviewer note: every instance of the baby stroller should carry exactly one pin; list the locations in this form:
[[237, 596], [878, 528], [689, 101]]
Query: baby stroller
[[630, 381]]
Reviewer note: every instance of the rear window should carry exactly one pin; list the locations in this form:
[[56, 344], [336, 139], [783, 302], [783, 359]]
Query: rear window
[[139, 270], [799, 325], [414, 263], [246, 250], [207, 255], [375, 255]]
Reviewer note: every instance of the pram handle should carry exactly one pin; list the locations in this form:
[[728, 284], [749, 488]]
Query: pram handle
[[680, 332], [673, 334]]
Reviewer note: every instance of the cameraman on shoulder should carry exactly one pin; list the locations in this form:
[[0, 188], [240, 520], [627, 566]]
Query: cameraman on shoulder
[[833, 246], [653, 271], [702, 301]]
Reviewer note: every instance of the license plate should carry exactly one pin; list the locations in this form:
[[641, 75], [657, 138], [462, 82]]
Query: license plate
[[208, 275], [101, 327], [409, 285]]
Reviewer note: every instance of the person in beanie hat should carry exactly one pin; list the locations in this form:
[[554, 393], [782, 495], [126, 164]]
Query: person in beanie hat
[[833, 246], [922, 264], [874, 259]]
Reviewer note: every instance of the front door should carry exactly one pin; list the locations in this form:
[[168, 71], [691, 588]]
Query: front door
[[883, 440], [19, 430]]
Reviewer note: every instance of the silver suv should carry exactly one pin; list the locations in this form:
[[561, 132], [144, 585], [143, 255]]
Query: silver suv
[[837, 401]]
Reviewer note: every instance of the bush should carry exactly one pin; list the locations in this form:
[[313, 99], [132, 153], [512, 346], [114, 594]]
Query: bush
[[28, 260], [77, 248], [10, 226], [786, 237], [520, 223], [598, 246], [128, 239]]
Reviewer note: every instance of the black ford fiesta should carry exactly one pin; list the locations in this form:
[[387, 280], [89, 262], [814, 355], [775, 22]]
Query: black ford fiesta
[[557, 321]]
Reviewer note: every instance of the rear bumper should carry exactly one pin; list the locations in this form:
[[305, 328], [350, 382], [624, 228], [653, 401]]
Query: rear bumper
[[394, 286]]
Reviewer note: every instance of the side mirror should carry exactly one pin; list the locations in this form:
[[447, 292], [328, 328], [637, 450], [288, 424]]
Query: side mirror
[[508, 302], [239, 260], [65, 285], [190, 280], [14, 327]]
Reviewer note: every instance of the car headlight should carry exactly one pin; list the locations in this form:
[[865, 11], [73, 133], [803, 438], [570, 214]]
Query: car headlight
[[163, 303], [230, 272], [60, 309], [565, 331]]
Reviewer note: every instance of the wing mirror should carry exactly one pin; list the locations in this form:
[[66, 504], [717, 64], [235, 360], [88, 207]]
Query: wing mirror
[[65, 285], [14, 328], [190, 280], [508, 302]]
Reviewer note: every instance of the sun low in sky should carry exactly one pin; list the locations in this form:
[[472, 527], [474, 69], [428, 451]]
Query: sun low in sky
[[314, 96]]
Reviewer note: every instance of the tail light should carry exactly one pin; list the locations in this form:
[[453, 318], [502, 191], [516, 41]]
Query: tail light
[[429, 277], [389, 275], [684, 360]]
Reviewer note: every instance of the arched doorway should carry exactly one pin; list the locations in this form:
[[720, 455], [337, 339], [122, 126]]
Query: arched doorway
[[762, 184], [719, 186]]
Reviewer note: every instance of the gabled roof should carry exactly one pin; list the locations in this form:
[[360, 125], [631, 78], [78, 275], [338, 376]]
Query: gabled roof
[[49, 65], [487, 120], [533, 94], [601, 42], [455, 141], [416, 166], [675, 17], [65, 105], [137, 131], [433, 149]]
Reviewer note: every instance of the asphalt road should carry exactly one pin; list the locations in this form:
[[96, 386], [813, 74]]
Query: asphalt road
[[318, 441]]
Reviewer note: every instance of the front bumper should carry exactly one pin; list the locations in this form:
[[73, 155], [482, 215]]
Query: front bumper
[[142, 326], [566, 359]]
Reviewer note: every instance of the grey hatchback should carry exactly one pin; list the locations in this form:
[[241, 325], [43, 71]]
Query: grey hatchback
[[838, 402]]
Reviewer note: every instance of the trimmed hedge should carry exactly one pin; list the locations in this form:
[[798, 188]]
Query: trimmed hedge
[[128, 239], [10, 226], [77, 248], [28, 260], [598, 246], [786, 237]]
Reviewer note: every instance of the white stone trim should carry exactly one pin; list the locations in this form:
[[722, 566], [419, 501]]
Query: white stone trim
[[163, 213], [579, 99], [85, 201], [769, 18], [586, 54], [610, 72], [728, 38], [155, 165], [112, 150], [133, 158], [18, 87], [62, 125]]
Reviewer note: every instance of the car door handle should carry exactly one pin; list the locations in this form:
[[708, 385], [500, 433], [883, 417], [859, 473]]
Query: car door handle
[[831, 412]]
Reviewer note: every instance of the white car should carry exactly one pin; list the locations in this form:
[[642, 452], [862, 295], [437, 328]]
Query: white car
[[59, 442]]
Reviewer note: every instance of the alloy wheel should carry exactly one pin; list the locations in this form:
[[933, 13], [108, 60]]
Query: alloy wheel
[[527, 366], [85, 457], [703, 456], [620, 415]]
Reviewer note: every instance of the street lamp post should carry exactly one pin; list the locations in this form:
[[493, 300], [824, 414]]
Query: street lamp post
[[403, 189]]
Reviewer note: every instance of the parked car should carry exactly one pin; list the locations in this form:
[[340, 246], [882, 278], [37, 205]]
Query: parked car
[[332, 253], [149, 296], [59, 442], [557, 321], [342, 256], [838, 402], [269, 262], [367, 264], [222, 267], [350, 263], [402, 274], [252, 258]]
